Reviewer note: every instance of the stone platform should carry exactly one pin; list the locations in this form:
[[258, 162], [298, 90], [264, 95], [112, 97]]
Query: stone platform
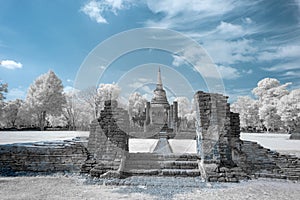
[[42, 157]]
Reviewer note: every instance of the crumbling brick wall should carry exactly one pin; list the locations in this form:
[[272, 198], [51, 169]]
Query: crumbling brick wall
[[108, 142], [47, 157], [213, 137]]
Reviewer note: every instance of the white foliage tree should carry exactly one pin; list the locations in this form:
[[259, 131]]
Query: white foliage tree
[[3, 89], [270, 119], [90, 96], [183, 106], [136, 104], [11, 112], [45, 96], [70, 110], [248, 111], [269, 91], [107, 92], [289, 109], [25, 117], [78, 112], [56, 121]]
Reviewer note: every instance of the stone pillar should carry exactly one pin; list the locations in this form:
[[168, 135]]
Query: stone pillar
[[211, 111], [175, 116], [108, 141], [148, 119], [147, 113], [171, 122]]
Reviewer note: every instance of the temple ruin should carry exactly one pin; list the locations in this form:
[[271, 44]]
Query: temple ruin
[[221, 155]]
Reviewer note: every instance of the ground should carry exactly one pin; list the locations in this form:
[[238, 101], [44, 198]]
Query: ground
[[73, 187], [78, 187]]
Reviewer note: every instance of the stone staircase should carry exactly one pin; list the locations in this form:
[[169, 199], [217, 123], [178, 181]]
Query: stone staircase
[[265, 163], [289, 165], [150, 164], [257, 159]]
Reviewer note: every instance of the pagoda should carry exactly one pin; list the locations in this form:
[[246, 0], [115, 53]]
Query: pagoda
[[160, 115]]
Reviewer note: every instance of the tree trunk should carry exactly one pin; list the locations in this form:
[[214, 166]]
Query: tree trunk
[[42, 120]]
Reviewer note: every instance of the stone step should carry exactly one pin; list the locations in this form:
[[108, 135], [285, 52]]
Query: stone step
[[292, 169], [149, 164], [164, 172], [161, 157], [142, 172], [181, 172], [193, 164], [142, 164], [270, 175], [293, 177]]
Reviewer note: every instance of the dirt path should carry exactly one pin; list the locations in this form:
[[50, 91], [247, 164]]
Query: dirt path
[[61, 187]]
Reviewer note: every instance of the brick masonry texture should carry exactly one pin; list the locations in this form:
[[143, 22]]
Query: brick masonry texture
[[47, 157], [108, 142]]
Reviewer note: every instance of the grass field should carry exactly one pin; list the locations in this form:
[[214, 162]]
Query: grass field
[[277, 142]]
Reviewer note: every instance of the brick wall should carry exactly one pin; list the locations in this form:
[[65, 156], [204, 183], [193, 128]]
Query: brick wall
[[108, 141], [48, 157]]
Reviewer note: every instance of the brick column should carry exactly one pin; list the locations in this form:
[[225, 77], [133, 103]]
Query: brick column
[[108, 140]]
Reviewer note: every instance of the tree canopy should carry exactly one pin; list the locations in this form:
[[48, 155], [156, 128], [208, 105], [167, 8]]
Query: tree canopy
[[45, 96]]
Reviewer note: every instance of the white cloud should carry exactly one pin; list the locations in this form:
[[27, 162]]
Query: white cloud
[[248, 20], [136, 85], [236, 92], [16, 93], [284, 66], [215, 71], [297, 2], [228, 30], [179, 14], [140, 83], [228, 72], [96, 9], [10, 64], [177, 61], [102, 67], [194, 8], [288, 51], [182, 14], [202, 64], [230, 52], [291, 74], [250, 71], [224, 42], [145, 80], [70, 90]]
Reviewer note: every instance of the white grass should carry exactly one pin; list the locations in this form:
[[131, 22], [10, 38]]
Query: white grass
[[183, 146], [9, 137], [277, 142], [148, 145], [142, 145]]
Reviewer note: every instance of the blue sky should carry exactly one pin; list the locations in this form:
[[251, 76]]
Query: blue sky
[[247, 40]]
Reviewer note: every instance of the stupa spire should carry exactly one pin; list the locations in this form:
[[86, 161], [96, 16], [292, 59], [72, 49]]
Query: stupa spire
[[159, 95], [159, 84]]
